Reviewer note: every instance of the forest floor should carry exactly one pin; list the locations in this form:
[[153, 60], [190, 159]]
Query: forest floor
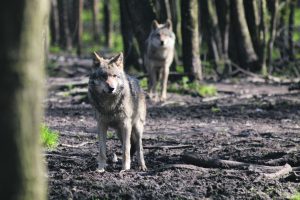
[[190, 144]]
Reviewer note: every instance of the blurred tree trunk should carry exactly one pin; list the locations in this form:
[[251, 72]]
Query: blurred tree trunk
[[223, 13], [141, 15], [24, 26], [130, 47], [246, 56], [65, 35], [263, 29], [107, 23], [190, 39], [95, 10], [78, 12], [54, 23], [273, 7], [291, 51], [174, 18], [252, 11]]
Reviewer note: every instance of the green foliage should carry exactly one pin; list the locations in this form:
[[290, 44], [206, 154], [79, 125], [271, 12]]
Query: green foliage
[[185, 86], [49, 137], [117, 42], [215, 109], [144, 83], [180, 69], [55, 49], [110, 135], [295, 196]]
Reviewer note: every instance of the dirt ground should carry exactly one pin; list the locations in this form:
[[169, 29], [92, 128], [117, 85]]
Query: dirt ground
[[253, 123]]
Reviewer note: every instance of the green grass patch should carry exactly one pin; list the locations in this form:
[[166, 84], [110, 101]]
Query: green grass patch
[[186, 87], [180, 69], [215, 109], [49, 137], [295, 196], [55, 49], [144, 83], [110, 135]]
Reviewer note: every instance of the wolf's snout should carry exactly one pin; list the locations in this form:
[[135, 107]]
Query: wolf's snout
[[110, 89], [162, 43]]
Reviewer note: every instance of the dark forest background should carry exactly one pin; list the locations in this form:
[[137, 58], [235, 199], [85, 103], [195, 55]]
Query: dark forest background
[[232, 36]]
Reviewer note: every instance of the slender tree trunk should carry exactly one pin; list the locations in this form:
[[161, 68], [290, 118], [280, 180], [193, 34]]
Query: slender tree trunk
[[130, 47], [263, 28], [65, 35], [291, 51], [54, 23], [273, 25], [95, 10], [141, 15], [24, 27], [107, 23], [190, 39], [223, 13], [246, 55], [253, 20], [78, 21]]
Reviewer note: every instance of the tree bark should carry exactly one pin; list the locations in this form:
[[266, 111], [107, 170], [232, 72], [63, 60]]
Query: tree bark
[[272, 32], [190, 39], [291, 51], [54, 23], [65, 34], [107, 23], [130, 47], [223, 13], [79, 30], [141, 15], [23, 37], [246, 55], [95, 10]]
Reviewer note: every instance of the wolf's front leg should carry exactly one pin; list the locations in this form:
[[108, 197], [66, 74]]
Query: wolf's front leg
[[126, 134], [102, 130], [164, 82]]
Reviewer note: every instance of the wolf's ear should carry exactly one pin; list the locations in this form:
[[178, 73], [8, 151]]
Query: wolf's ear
[[154, 24], [168, 24], [118, 60], [98, 59]]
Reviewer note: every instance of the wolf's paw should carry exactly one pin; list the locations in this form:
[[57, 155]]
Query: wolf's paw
[[143, 168], [100, 170]]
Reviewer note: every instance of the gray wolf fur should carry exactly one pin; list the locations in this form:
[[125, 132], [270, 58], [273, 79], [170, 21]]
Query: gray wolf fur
[[159, 54], [119, 103]]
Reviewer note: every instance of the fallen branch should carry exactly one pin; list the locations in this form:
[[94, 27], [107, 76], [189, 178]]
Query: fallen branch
[[181, 166], [169, 147], [280, 173], [77, 145], [268, 171]]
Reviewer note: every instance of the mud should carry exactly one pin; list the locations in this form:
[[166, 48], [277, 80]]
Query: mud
[[255, 123]]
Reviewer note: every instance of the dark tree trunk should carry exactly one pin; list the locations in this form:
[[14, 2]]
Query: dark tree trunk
[[54, 23], [253, 21], [95, 10], [65, 35], [246, 56], [273, 7], [107, 23], [223, 13], [23, 37], [141, 15], [130, 47], [190, 39], [291, 51], [263, 29], [78, 13]]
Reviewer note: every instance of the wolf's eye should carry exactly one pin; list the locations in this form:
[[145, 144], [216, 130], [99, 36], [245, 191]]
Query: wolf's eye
[[114, 75]]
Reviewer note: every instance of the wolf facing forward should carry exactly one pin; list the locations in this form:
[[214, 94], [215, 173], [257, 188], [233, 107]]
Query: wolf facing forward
[[119, 103], [159, 54]]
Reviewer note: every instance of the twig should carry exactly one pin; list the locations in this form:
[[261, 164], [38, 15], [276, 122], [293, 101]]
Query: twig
[[280, 173], [76, 145], [181, 166], [169, 147]]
